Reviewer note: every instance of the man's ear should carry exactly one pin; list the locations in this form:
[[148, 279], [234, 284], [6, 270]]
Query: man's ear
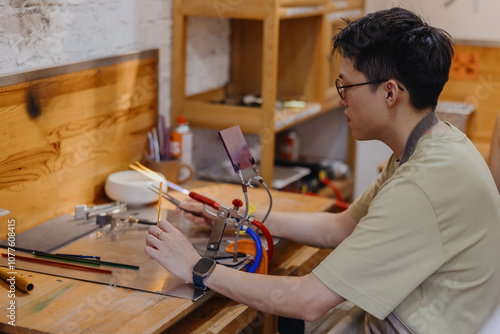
[[391, 93]]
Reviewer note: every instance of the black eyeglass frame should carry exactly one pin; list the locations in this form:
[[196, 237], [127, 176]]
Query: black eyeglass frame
[[338, 83]]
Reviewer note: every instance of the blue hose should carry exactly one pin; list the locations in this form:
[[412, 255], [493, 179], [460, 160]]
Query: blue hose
[[258, 244]]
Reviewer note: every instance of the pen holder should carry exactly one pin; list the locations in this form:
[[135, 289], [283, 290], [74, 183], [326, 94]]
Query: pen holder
[[172, 169]]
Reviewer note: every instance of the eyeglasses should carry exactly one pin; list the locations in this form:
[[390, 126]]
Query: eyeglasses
[[341, 88]]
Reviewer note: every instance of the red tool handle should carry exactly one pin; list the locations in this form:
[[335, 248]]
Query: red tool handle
[[269, 238], [205, 200]]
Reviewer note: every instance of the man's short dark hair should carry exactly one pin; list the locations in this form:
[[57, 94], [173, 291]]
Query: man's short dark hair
[[398, 44]]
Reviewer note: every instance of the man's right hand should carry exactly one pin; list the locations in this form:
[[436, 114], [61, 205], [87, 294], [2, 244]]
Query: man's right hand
[[195, 206]]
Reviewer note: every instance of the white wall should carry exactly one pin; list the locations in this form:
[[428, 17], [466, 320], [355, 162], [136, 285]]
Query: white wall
[[324, 137], [369, 156], [44, 33], [465, 20]]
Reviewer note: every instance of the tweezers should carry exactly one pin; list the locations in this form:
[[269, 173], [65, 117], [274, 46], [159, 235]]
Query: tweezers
[[173, 200]]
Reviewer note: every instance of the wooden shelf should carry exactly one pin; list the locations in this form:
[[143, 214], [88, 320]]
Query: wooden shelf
[[247, 9], [287, 117], [342, 6], [303, 11], [280, 51], [259, 9], [301, 3]]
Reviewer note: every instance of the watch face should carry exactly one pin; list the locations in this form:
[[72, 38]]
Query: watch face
[[203, 265]]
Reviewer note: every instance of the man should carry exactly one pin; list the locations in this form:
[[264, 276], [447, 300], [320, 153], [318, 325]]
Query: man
[[418, 252]]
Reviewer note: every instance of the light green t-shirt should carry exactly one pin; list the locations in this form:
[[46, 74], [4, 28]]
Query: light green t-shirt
[[427, 243]]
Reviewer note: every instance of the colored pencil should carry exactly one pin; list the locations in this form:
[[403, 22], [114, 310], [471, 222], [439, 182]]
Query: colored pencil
[[59, 264], [84, 261]]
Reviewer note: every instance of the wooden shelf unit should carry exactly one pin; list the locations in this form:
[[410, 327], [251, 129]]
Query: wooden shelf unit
[[280, 50]]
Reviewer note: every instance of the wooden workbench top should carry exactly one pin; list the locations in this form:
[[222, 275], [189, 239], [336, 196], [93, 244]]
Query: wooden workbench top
[[61, 305]]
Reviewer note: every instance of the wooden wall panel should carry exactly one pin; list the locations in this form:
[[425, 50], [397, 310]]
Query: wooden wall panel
[[483, 92], [91, 122]]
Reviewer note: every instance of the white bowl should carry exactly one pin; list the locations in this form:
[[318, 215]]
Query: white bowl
[[132, 187]]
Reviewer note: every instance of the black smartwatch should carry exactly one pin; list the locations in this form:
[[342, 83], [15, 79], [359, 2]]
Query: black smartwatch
[[202, 269]]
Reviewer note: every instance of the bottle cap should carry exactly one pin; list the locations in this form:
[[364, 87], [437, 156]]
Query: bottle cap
[[181, 119]]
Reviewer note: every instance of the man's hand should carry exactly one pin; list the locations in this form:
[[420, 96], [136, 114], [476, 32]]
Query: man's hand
[[170, 248], [195, 206]]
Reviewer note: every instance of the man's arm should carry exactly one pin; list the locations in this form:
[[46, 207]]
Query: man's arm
[[303, 297], [317, 229]]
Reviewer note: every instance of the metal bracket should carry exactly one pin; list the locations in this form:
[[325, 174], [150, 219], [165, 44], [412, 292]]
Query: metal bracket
[[84, 212], [218, 228]]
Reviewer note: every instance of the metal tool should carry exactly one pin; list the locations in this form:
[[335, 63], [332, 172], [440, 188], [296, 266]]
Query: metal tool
[[84, 212], [241, 158], [172, 200], [224, 214]]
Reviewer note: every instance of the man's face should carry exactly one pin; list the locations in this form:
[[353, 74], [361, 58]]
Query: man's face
[[361, 104]]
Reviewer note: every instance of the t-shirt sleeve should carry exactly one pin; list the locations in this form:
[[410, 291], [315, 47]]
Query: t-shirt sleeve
[[393, 249]]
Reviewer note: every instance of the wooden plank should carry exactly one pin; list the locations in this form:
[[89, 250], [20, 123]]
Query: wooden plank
[[91, 123], [269, 93], [238, 9], [246, 57], [220, 116], [286, 119], [282, 201], [293, 259], [217, 94], [61, 305], [286, 13], [234, 3], [294, 3], [221, 315], [343, 5], [300, 64], [482, 92], [179, 38], [37, 74]]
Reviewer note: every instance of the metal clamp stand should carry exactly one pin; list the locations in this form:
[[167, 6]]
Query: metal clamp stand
[[213, 248], [84, 212]]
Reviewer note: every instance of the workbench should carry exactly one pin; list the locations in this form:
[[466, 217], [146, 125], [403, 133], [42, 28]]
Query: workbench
[[62, 305]]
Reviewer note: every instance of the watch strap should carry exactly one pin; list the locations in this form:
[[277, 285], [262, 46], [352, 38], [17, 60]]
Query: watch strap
[[198, 282]]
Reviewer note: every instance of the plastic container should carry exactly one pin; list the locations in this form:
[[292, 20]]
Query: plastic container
[[457, 113], [289, 146], [181, 143]]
